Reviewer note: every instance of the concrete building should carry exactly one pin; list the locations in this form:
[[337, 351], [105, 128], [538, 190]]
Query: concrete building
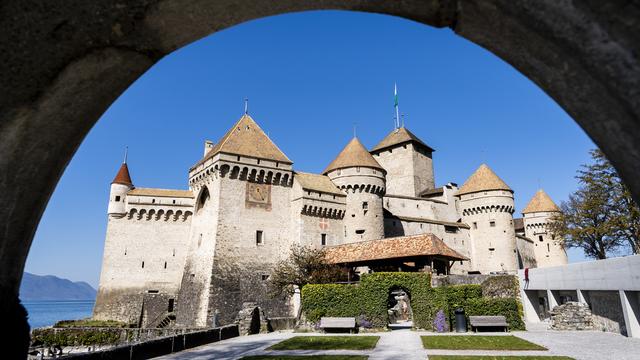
[[191, 257], [611, 289]]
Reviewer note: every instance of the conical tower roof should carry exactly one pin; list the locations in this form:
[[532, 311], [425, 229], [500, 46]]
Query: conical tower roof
[[483, 179], [541, 202], [354, 154], [248, 139], [397, 137], [123, 177]]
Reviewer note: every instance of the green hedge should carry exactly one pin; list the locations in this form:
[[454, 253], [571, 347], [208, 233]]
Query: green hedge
[[75, 337], [368, 300]]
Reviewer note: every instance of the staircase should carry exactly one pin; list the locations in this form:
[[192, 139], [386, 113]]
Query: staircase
[[168, 320]]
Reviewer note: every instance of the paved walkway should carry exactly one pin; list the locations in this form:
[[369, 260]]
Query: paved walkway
[[406, 344]]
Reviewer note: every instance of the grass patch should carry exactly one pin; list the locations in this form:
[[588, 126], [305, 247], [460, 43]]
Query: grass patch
[[478, 342], [327, 343], [487, 357], [314, 357]]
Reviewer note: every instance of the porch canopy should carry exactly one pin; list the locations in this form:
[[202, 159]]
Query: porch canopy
[[402, 253]]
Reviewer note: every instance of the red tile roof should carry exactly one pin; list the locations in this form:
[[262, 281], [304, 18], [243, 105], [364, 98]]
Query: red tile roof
[[391, 248], [123, 176]]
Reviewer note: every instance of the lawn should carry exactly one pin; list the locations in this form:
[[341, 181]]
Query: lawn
[[478, 342], [486, 357], [312, 357], [327, 343]]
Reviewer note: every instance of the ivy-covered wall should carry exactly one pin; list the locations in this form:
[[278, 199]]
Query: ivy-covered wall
[[368, 300]]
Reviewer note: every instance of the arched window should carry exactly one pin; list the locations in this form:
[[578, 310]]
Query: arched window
[[202, 200]]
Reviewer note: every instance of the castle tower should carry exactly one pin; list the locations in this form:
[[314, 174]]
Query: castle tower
[[408, 162], [537, 214], [358, 174], [240, 228], [487, 206], [120, 186]]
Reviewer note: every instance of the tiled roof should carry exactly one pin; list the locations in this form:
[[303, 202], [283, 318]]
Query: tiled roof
[[247, 138], [354, 154], [391, 248], [123, 177], [161, 192], [483, 179], [541, 202], [317, 182], [399, 136]]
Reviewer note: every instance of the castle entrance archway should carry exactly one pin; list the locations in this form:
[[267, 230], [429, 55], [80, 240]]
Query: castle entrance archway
[[63, 64]]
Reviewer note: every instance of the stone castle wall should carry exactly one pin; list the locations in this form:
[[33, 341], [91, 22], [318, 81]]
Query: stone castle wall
[[493, 238], [130, 269], [409, 169], [548, 250], [192, 308]]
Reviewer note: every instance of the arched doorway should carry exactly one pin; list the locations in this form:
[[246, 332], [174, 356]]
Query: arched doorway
[[62, 69], [399, 308]]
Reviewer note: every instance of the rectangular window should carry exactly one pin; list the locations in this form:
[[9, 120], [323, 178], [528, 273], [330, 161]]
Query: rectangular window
[[259, 238], [170, 307], [264, 277], [492, 223], [152, 291], [143, 264], [117, 198], [323, 239], [365, 206], [475, 225], [548, 248], [450, 229], [540, 238]]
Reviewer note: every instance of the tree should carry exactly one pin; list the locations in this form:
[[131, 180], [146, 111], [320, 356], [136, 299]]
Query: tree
[[304, 265], [600, 216]]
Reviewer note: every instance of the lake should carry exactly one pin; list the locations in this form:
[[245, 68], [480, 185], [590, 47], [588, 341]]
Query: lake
[[46, 313]]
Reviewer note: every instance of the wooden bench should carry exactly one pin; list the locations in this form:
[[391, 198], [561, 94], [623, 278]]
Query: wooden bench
[[488, 321], [338, 323]]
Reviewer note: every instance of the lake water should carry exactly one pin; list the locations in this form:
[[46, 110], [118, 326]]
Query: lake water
[[46, 313]]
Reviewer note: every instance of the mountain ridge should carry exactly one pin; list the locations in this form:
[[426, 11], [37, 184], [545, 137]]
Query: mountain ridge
[[50, 287]]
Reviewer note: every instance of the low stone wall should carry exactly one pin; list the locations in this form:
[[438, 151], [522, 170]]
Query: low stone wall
[[444, 280], [181, 339], [572, 316]]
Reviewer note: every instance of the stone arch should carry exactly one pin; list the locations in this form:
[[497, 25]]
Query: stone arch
[[235, 172], [581, 53]]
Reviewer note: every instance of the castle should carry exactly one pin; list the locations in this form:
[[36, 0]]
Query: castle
[[190, 258]]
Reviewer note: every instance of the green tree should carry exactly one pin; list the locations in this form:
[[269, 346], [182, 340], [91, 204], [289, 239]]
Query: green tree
[[597, 216], [305, 265]]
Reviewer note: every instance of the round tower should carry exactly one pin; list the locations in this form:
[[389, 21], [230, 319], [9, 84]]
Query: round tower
[[120, 186], [548, 249], [360, 176], [487, 206]]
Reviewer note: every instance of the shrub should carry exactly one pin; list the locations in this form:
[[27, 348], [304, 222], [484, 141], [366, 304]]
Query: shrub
[[367, 301], [440, 322], [75, 337]]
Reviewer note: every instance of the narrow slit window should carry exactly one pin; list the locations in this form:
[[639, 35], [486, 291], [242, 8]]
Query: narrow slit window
[[259, 237], [323, 239], [143, 264]]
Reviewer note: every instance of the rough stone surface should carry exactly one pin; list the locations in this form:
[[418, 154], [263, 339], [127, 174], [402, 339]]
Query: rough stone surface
[[571, 316], [582, 54], [251, 320]]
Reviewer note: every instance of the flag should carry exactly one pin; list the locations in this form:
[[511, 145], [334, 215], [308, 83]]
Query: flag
[[395, 95]]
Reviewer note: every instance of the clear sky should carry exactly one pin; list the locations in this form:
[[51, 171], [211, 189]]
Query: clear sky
[[309, 78]]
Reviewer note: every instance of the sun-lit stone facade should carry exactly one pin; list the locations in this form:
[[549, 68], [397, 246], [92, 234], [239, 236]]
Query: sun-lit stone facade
[[190, 258]]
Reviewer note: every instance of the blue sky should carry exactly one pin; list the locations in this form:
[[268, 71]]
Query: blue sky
[[309, 78]]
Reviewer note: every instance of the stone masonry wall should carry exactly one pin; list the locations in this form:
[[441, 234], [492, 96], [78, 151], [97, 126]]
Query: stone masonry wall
[[140, 255], [571, 316]]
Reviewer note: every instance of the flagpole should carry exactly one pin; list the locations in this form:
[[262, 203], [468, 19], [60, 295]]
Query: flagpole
[[395, 97]]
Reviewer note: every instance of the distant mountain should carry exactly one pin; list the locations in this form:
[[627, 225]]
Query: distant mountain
[[49, 287]]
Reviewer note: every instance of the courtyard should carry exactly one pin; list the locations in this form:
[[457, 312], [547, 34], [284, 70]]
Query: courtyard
[[408, 344]]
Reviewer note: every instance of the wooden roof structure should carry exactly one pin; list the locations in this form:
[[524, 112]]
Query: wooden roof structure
[[396, 248]]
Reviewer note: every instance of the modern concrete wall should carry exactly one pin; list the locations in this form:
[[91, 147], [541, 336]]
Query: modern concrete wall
[[610, 287]]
